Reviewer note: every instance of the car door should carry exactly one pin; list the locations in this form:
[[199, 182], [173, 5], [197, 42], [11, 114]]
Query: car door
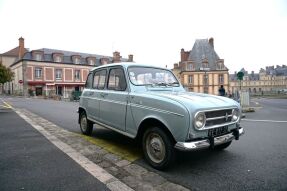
[[114, 98], [99, 80]]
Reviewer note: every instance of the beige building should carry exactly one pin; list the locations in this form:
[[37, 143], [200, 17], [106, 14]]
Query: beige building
[[201, 69], [267, 80], [11, 56], [50, 72]]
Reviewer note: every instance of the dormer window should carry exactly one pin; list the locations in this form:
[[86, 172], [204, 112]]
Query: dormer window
[[205, 65], [190, 67], [91, 62], [220, 66], [58, 59], [38, 57], [76, 59]]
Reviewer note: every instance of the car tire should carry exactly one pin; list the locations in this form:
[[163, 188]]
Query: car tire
[[223, 146], [158, 148], [86, 125]]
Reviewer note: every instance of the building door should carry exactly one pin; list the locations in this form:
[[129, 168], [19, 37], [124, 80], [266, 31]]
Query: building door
[[39, 91], [59, 90]]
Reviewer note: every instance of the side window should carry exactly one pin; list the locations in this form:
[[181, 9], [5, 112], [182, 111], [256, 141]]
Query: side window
[[89, 81], [100, 79], [117, 80]]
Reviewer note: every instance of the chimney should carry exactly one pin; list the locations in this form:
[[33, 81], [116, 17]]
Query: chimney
[[116, 57], [131, 58], [182, 55], [21, 47], [175, 66], [211, 42]]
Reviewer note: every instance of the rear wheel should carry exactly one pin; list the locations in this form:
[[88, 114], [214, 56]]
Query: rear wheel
[[85, 124], [223, 146], [158, 148]]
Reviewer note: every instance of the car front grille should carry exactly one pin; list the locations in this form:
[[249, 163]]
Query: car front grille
[[218, 117]]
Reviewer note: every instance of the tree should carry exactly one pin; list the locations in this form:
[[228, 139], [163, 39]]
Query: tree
[[6, 75]]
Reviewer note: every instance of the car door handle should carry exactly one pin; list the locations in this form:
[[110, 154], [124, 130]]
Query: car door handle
[[103, 94]]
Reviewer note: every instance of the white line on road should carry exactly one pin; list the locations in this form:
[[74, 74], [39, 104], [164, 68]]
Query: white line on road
[[98, 172], [258, 120]]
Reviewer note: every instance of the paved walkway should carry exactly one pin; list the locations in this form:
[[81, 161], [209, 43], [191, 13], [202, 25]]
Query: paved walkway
[[28, 161], [112, 170]]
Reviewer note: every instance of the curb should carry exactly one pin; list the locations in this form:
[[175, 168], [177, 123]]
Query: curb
[[114, 171]]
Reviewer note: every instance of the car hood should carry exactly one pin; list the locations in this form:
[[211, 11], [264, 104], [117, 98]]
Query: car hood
[[198, 101]]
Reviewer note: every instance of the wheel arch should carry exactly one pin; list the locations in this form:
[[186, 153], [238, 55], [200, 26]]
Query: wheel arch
[[80, 110], [152, 122]]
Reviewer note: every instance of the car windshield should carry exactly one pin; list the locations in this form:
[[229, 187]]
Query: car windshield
[[151, 76]]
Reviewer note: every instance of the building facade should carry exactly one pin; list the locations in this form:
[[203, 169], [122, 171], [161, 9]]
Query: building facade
[[50, 72], [10, 57], [201, 70], [267, 80]]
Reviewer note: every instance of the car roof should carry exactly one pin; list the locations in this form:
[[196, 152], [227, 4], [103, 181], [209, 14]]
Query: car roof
[[126, 65]]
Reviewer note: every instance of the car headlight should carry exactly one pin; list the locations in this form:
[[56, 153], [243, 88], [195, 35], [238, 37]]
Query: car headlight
[[199, 120], [235, 114]]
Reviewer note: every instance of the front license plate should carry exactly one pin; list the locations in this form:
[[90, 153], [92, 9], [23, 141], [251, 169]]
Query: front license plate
[[217, 131]]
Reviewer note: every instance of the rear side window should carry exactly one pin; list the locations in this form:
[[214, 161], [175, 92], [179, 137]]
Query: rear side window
[[89, 81], [99, 79], [117, 80]]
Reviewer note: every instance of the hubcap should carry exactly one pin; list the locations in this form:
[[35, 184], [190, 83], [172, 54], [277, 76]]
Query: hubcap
[[84, 123], [155, 148]]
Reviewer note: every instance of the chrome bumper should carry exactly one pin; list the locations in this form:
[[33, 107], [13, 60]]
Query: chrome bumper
[[203, 144]]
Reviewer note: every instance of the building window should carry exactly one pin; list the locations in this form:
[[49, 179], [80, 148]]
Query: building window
[[77, 74], [205, 79], [190, 79], [91, 62], [189, 66], [205, 90], [38, 57], [58, 74], [221, 79], [58, 59], [38, 72], [77, 60], [205, 65], [220, 65]]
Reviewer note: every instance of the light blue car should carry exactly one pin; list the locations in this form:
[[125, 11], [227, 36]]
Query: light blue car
[[149, 103]]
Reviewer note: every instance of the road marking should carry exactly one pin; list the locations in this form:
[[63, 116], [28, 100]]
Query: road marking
[[258, 120], [126, 152], [98, 172], [6, 105]]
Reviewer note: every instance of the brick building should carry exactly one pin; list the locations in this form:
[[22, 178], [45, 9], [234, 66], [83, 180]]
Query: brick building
[[201, 69], [50, 72]]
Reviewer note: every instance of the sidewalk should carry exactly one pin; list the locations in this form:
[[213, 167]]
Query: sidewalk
[[28, 161]]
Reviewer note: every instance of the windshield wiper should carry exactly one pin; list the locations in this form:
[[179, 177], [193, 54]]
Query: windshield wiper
[[166, 84], [173, 83]]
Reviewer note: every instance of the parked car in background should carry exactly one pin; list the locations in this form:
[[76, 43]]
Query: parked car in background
[[148, 103]]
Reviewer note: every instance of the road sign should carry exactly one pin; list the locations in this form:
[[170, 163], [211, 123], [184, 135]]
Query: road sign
[[20, 81]]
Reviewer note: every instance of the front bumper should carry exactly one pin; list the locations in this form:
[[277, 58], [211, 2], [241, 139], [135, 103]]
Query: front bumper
[[207, 143]]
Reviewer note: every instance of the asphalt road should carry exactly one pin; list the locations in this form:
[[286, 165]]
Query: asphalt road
[[28, 161], [258, 161]]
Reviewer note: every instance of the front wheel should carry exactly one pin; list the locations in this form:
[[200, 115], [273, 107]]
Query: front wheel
[[85, 124], [158, 148]]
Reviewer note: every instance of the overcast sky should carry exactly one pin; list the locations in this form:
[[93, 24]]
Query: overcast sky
[[247, 33]]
